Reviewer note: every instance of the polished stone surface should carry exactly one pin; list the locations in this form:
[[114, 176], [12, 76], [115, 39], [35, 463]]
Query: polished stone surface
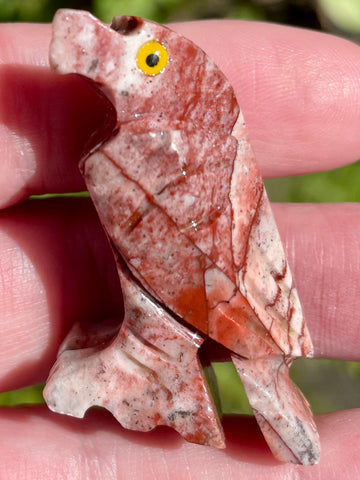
[[178, 191]]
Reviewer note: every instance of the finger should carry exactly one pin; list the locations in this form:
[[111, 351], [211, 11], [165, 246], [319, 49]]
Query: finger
[[57, 447], [45, 120], [322, 243], [56, 268], [298, 90], [301, 103]]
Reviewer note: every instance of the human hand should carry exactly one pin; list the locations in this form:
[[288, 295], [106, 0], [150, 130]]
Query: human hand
[[300, 97]]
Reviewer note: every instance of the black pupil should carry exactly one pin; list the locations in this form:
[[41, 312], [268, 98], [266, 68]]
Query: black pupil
[[152, 60]]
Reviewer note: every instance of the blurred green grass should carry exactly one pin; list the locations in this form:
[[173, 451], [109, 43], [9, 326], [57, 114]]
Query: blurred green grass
[[339, 185], [328, 384], [24, 396]]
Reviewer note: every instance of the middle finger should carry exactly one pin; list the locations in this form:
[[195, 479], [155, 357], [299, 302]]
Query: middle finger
[[56, 267]]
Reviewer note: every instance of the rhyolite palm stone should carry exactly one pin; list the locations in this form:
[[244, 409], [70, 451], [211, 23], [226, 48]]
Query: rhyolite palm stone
[[179, 194]]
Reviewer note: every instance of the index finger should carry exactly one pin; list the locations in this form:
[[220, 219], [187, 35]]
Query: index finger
[[298, 90]]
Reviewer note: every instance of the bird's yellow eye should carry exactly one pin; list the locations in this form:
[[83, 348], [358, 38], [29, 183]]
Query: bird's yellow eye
[[152, 58]]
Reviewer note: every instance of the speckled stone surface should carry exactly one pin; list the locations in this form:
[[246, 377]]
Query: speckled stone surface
[[180, 196]]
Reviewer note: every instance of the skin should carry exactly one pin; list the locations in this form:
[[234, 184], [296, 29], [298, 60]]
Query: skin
[[300, 94]]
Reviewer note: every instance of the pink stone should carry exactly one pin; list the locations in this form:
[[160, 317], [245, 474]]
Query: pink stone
[[198, 253]]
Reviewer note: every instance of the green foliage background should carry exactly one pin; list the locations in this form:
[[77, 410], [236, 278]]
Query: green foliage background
[[328, 384]]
